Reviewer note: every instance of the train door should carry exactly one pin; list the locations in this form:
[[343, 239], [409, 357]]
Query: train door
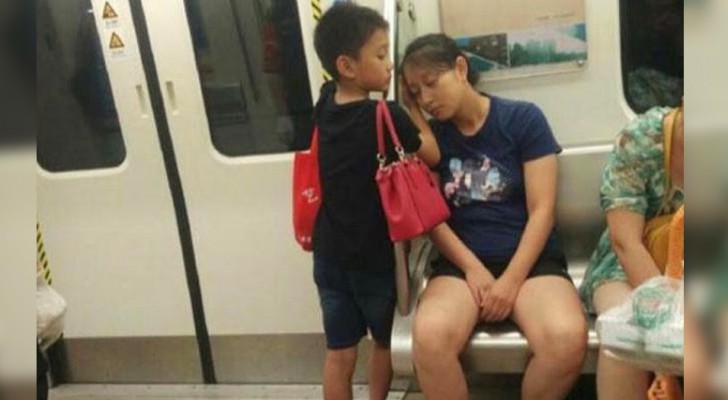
[[105, 206], [235, 82], [239, 79]]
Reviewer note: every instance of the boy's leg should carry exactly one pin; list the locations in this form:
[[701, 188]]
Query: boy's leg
[[338, 372], [344, 326], [549, 313], [380, 372], [376, 298]]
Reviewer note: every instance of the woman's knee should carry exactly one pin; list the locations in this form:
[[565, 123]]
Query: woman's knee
[[564, 341], [443, 322], [610, 295], [434, 338]]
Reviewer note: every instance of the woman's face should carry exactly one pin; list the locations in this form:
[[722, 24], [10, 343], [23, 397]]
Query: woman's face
[[437, 91]]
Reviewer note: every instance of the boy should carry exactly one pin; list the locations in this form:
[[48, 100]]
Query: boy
[[353, 256]]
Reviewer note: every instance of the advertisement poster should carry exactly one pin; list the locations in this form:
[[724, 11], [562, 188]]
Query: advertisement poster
[[515, 38]]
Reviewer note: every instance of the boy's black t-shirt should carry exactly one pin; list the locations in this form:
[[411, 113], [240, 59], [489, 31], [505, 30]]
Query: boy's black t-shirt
[[351, 229]]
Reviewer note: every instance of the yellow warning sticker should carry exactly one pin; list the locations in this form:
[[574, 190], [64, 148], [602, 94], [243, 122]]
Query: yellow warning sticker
[[116, 43], [109, 12]]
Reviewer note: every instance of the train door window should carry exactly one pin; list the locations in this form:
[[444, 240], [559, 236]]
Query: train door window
[[652, 52], [252, 68], [78, 126]]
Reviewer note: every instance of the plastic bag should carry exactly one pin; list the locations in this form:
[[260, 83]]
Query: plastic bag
[[51, 310], [648, 329]]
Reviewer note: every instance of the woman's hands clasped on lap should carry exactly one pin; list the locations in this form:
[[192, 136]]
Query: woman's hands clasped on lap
[[499, 300], [479, 282]]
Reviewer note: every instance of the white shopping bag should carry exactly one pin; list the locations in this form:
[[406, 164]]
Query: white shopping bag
[[648, 329], [51, 309]]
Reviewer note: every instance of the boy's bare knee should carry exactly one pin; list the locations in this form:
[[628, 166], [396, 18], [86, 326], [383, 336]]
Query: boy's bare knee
[[381, 347], [345, 359]]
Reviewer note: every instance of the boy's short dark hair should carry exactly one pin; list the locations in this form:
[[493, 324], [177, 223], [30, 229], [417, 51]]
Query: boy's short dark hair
[[343, 30]]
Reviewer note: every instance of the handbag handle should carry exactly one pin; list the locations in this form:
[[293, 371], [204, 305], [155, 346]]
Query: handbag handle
[[384, 116], [314, 141]]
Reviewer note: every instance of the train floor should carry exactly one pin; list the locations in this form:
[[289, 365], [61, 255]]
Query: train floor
[[228, 392], [199, 392], [493, 387]]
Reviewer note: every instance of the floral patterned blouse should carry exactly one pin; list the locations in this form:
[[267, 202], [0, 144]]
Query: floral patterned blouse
[[634, 179]]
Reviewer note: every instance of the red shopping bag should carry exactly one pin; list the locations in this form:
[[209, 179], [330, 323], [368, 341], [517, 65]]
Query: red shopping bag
[[306, 192]]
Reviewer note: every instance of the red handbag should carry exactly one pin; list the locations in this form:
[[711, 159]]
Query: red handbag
[[306, 192], [411, 198]]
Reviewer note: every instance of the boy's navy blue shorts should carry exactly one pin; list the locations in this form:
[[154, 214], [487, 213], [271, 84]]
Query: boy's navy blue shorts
[[353, 301]]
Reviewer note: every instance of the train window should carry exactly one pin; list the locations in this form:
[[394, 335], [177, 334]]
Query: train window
[[78, 127], [252, 67], [652, 52]]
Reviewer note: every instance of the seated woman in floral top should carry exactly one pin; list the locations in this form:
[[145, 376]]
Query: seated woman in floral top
[[641, 189]]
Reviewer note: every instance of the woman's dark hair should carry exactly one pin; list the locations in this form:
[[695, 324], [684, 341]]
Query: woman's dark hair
[[439, 51]]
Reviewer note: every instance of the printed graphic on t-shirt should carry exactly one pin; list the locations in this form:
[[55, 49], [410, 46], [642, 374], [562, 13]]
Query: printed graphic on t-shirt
[[475, 180]]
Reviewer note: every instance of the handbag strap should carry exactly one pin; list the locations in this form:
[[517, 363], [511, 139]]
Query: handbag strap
[[668, 133], [314, 140], [676, 249], [385, 117]]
